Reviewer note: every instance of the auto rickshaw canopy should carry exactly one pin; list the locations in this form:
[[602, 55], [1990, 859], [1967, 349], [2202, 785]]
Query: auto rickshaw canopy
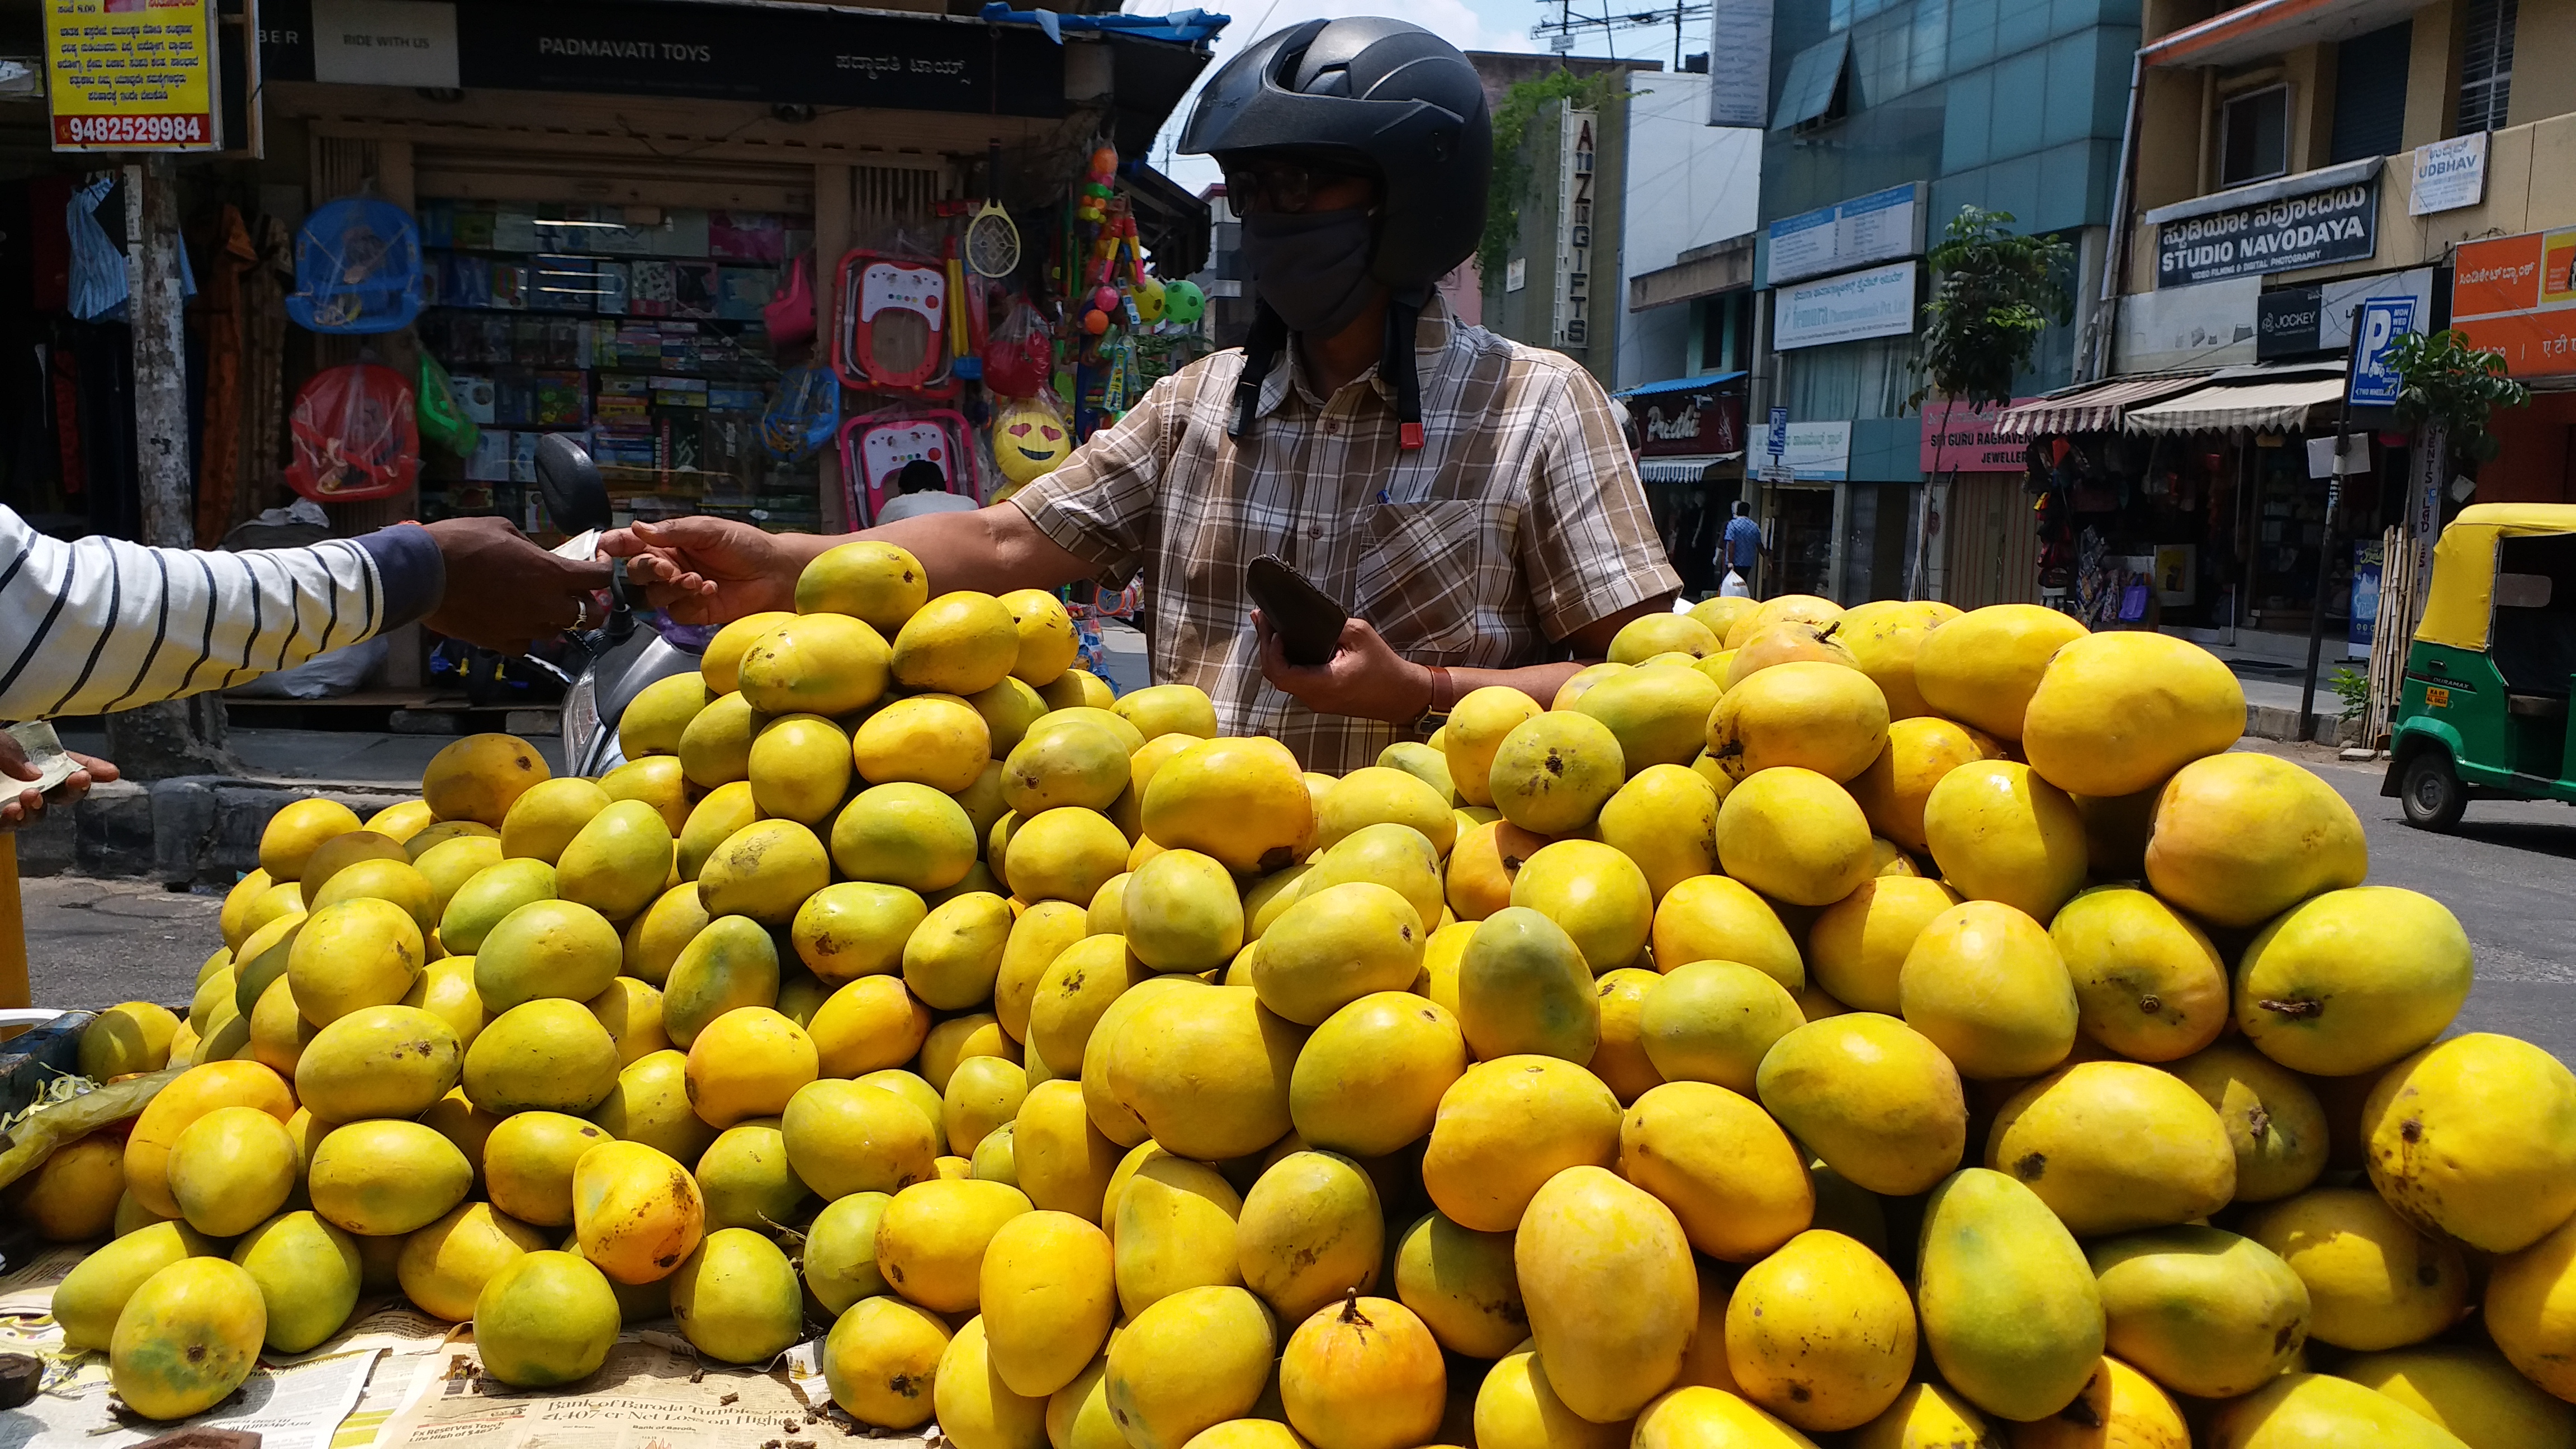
[[2459, 607]]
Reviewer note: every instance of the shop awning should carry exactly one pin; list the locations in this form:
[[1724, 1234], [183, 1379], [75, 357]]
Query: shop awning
[[2263, 407], [2093, 407], [1681, 470], [1704, 383]]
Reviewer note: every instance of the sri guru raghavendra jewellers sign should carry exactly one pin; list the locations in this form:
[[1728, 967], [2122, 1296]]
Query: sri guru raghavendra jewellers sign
[[2340, 224]]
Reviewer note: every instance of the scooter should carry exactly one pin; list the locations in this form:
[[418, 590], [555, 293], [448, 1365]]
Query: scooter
[[618, 660]]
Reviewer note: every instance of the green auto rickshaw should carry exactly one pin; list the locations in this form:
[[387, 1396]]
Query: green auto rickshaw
[[2482, 713]]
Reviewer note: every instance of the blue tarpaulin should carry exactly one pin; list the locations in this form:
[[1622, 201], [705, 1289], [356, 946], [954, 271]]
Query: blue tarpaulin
[[1185, 27]]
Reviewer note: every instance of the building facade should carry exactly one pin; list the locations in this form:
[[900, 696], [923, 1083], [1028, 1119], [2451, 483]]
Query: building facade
[[1885, 119]]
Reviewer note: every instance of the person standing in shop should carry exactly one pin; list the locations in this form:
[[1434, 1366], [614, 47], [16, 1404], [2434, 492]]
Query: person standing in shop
[[1468, 500]]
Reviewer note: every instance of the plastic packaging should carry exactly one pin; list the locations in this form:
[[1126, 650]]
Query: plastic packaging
[[357, 268], [356, 435]]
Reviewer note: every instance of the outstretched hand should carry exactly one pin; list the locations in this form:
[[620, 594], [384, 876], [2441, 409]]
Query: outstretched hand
[[503, 591], [702, 570], [18, 806], [1365, 678]]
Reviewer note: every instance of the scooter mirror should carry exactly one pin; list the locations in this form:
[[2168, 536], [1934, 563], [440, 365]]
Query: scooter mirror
[[576, 496]]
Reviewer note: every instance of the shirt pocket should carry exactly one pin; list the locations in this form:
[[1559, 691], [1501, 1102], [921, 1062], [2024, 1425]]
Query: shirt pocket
[[1424, 571]]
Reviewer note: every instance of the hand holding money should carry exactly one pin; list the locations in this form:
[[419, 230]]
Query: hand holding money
[[42, 773]]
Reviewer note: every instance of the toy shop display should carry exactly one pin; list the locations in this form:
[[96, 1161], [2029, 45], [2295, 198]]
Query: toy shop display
[[356, 435], [877, 446]]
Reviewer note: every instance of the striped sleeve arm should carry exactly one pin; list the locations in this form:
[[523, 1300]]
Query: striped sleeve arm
[[102, 624]]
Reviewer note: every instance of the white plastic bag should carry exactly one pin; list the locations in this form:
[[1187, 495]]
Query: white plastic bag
[[1734, 587]]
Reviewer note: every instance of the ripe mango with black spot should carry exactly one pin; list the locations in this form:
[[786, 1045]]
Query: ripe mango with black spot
[[2374, 1280], [479, 777], [528, 1163], [826, 664], [1242, 801], [1553, 772], [636, 1212], [2475, 1138], [1334, 946], [355, 954], [2203, 1312], [2274, 1122], [1207, 1070], [881, 1362], [765, 871], [2351, 980], [188, 1337], [1821, 1333], [2113, 1146], [1369, 1080], [1310, 1232], [712, 821], [2148, 983], [1509, 1125], [382, 1061], [931, 1241]]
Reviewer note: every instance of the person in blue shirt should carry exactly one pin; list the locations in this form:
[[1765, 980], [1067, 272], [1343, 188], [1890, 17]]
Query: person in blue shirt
[[1741, 549]]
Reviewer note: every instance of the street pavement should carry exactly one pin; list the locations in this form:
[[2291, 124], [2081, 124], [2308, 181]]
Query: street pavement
[[2509, 874]]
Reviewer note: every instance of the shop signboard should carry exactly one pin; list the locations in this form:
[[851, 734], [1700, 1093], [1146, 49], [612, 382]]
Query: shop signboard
[[124, 76], [1876, 303], [1739, 63], [1572, 303], [1960, 439], [766, 54], [1872, 228], [1819, 452], [2317, 317], [2515, 295], [2337, 224], [2375, 384], [1686, 424], [2449, 175]]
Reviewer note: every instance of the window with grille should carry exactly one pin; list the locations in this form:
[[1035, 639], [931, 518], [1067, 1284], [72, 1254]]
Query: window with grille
[[2486, 66]]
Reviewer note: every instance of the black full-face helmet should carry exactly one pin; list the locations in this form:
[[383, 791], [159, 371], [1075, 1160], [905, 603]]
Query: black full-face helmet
[[1395, 98]]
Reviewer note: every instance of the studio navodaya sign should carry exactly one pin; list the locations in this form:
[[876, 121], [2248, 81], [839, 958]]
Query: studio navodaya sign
[[2340, 224]]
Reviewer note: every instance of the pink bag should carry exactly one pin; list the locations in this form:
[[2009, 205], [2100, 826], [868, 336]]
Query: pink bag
[[790, 314]]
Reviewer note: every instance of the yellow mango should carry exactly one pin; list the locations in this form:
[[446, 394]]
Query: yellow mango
[[1858, 945], [2007, 1304], [960, 642], [1524, 987], [1794, 835], [549, 1054], [1363, 1373], [745, 1180], [1983, 667], [2351, 980], [2118, 713], [299, 829], [855, 929], [2238, 838], [380, 1061], [355, 954], [545, 1318], [730, 963], [1719, 918], [1985, 983], [528, 1164], [1048, 1291], [636, 1212], [826, 664], [2114, 1146], [2148, 983], [89, 1299], [1207, 1071], [2316, 1411], [2002, 833], [2273, 1119], [1191, 1361], [307, 1272], [2120, 1408], [381, 1178], [1731, 1177], [1370, 1078], [2470, 1391], [2474, 1138], [1606, 1355], [1821, 1333], [2203, 1312], [178, 1105], [881, 583], [1311, 1231], [2374, 1280], [650, 1104], [188, 1337], [1516, 1408], [724, 809], [882, 1360], [1173, 1225], [765, 871], [933, 1236], [618, 862], [1553, 772], [736, 1298], [445, 1265]]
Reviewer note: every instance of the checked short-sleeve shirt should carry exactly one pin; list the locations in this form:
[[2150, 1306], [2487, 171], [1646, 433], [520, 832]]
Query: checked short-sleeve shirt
[[1520, 520]]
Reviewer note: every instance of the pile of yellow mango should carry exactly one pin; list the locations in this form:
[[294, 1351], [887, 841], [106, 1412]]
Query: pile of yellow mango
[[1898, 1024]]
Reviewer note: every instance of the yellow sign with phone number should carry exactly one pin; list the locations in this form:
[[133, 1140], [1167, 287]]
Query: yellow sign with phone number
[[130, 75]]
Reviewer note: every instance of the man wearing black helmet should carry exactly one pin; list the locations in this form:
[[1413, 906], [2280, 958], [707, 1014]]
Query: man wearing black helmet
[[1467, 499]]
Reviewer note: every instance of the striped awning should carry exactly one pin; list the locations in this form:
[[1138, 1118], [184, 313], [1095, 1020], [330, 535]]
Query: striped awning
[[2093, 408], [2263, 407], [1681, 470]]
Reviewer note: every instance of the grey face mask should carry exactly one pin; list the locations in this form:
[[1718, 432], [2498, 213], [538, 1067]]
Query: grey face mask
[[1312, 268]]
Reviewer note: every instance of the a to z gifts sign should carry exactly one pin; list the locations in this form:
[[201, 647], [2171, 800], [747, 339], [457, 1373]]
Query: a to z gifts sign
[[130, 75]]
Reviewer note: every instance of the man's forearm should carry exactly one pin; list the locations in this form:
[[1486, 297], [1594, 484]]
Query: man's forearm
[[991, 550], [1539, 681]]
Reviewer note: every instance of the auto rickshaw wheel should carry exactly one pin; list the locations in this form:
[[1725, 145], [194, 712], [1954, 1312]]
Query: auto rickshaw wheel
[[2431, 791]]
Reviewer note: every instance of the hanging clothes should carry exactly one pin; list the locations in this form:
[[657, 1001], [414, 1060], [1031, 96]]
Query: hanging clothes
[[98, 280], [219, 456]]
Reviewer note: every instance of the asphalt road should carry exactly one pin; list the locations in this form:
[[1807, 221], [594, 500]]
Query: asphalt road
[[2509, 874]]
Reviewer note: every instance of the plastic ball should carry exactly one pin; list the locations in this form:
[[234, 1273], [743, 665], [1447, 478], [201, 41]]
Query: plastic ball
[[1149, 301], [1095, 323], [1029, 440], [1104, 159], [1105, 298], [1183, 302]]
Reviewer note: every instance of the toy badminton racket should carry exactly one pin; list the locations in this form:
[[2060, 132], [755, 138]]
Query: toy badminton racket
[[992, 238]]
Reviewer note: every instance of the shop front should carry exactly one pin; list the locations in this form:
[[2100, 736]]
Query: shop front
[[1689, 434], [2516, 296]]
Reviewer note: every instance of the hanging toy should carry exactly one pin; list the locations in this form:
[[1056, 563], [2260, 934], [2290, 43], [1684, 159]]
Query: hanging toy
[[1184, 303], [1029, 441], [1148, 296], [1098, 187]]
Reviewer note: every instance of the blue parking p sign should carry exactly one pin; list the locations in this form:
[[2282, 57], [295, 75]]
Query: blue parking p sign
[[2374, 383]]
